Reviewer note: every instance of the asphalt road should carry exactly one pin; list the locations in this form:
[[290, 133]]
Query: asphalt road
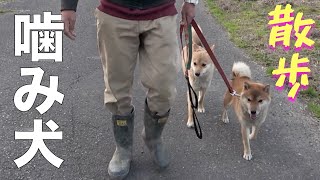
[[287, 146]]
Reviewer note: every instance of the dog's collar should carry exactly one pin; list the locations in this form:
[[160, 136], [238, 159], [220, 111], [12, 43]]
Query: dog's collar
[[234, 93]]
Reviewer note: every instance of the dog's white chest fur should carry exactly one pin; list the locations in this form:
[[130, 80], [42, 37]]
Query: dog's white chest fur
[[203, 81]]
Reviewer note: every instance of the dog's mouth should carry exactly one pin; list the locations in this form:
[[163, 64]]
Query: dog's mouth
[[253, 115]]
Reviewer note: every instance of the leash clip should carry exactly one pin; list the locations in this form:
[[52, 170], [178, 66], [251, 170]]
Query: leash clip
[[234, 93]]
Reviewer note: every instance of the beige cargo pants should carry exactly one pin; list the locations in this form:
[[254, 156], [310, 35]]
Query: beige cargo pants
[[121, 43]]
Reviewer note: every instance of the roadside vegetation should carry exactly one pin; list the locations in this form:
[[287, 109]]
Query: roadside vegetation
[[246, 22], [2, 9]]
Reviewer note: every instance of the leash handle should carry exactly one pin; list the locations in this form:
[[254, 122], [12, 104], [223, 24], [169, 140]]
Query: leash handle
[[193, 101], [212, 56], [197, 127]]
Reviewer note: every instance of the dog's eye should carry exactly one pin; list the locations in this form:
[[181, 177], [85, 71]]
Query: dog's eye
[[204, 65], [260, 101], [194, 63], [249, 99]]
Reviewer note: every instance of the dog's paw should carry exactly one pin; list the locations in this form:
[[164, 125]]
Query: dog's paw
[[201, 109], [225, 119], [190, 124], [247, 156], [252, 137]]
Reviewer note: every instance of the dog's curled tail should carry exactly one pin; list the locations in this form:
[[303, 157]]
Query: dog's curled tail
[[240, 69]]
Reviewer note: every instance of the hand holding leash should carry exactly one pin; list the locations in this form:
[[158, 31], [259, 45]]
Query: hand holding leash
[[187, 13]]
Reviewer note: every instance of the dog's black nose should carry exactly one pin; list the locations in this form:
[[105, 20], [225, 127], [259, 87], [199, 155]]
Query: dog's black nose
[[253, 112], [197, 74]]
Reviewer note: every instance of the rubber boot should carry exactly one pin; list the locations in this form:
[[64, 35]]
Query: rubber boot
[[119, 165], [151, 133]]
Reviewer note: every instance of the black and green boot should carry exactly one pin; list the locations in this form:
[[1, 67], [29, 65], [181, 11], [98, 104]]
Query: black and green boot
[[151, 133], [119, 165]]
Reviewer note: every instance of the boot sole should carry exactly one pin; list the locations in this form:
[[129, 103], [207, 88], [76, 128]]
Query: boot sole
[[114, 176]]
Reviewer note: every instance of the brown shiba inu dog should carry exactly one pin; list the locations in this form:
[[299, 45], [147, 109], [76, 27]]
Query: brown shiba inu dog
[[251, 107], [200, 73]]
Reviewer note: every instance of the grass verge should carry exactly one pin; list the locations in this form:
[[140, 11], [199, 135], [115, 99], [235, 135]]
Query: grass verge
[[3, 10], [315, 108]]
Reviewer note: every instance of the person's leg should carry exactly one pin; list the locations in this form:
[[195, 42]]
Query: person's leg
[[118, 43], [158, 56]]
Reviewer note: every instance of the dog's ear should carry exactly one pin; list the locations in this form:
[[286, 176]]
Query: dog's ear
[[195, 47], [234, 75], [246, 86], [266, 88], [212, 47]]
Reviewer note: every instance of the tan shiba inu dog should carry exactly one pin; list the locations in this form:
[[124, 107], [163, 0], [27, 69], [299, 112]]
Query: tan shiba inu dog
[[200, 73], [251, 107]]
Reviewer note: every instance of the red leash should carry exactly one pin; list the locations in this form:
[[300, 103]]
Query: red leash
[[212, 56], [194, 102]]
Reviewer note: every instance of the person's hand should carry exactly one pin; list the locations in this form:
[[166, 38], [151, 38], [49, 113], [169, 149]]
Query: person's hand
[[187, 13], [69, 20]]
